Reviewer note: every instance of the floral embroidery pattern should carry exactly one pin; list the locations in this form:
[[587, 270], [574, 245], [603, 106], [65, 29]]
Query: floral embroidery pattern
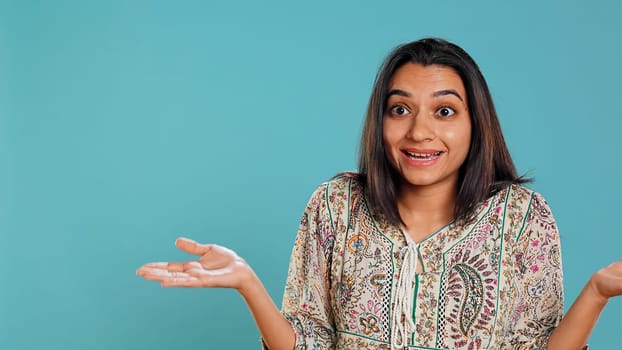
[[493, 283]]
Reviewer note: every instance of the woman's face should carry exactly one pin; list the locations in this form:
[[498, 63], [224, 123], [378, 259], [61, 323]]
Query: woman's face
[[427, 127]]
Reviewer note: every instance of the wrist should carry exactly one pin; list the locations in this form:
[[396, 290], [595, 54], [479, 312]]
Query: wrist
[[592, 292], [250, 284]]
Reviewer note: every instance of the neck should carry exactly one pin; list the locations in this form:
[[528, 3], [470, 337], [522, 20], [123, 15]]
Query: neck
[[426, 209]]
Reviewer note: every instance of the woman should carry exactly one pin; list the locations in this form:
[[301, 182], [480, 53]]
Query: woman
[[434, 244]]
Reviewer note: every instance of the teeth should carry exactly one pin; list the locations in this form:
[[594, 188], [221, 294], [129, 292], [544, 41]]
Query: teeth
[[423, 155]]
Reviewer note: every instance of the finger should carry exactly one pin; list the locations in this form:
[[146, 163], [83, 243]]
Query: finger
[[160, 274], [191, 247], [175, 267], [168, 269], [154, 277], [189, 265], [165, 266], [151, 266], [156, 264], [182, 266], [163, 275]]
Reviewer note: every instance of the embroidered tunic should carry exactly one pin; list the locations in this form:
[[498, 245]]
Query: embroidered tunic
[[493, 283]]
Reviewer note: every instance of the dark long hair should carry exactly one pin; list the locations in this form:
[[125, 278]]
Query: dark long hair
[[488, 167]]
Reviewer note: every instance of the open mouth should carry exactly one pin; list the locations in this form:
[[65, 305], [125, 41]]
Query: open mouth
[[423, 155]]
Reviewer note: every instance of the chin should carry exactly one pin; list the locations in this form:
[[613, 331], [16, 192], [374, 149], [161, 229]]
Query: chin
[[419, 182], [423, 181]]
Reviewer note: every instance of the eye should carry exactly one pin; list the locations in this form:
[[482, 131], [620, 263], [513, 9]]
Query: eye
[[445, 112], [399, 110]]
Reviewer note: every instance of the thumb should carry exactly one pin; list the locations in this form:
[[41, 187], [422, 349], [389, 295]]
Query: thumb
[[191, 247]]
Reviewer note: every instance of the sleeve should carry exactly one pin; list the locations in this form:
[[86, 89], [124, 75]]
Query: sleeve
[[539, 307], [306, 300]]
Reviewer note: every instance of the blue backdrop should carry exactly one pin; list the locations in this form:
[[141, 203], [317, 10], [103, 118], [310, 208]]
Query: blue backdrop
[[125, 124]]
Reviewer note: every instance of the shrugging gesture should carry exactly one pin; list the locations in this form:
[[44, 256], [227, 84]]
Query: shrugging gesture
[[220, 267], [577, 324], [434, 243]]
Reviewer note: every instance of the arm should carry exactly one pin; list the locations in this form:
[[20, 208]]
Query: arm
[[537, 296], [306, 320], [542, 285], [307, 303], [276, 331], [219, 267], [576, 326]]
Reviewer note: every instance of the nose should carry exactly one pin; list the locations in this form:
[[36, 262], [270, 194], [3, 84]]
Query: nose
[[421, 128]]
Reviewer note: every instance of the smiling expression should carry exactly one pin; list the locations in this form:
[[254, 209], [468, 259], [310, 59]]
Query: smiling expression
[[426, 125]]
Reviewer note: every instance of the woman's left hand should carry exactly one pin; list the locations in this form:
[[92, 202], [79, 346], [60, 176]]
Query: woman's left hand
[[607, 282]]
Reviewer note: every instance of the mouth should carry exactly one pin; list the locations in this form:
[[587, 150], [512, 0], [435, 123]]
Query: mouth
[[422, 156]]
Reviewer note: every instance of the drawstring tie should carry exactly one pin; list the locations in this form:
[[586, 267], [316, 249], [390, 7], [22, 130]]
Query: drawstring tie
[[403, 297]]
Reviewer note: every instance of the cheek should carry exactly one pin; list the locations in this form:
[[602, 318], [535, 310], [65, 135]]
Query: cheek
[[390, 140], [391, 132], [465, 143], [459, 139], [387, 136]]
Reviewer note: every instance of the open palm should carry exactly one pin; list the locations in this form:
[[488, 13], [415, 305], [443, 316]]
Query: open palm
[[217, 267]]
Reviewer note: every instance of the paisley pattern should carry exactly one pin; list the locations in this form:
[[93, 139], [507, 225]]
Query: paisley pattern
[[472, 300], [492, 283]]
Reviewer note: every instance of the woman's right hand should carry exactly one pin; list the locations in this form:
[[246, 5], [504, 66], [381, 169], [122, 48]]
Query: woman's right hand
[[216, 267], [219, 267], [607, 282]]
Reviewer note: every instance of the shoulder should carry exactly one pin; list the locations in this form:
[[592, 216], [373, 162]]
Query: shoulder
[[345, 180], [537, 204], [338, 189], [333, 200], [526, 212], [518, 198]]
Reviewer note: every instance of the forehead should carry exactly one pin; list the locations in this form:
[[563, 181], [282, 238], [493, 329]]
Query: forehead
[[414, 77]]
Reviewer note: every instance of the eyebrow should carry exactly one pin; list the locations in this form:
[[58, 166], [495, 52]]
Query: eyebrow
[[447, 92], [435, 94]]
